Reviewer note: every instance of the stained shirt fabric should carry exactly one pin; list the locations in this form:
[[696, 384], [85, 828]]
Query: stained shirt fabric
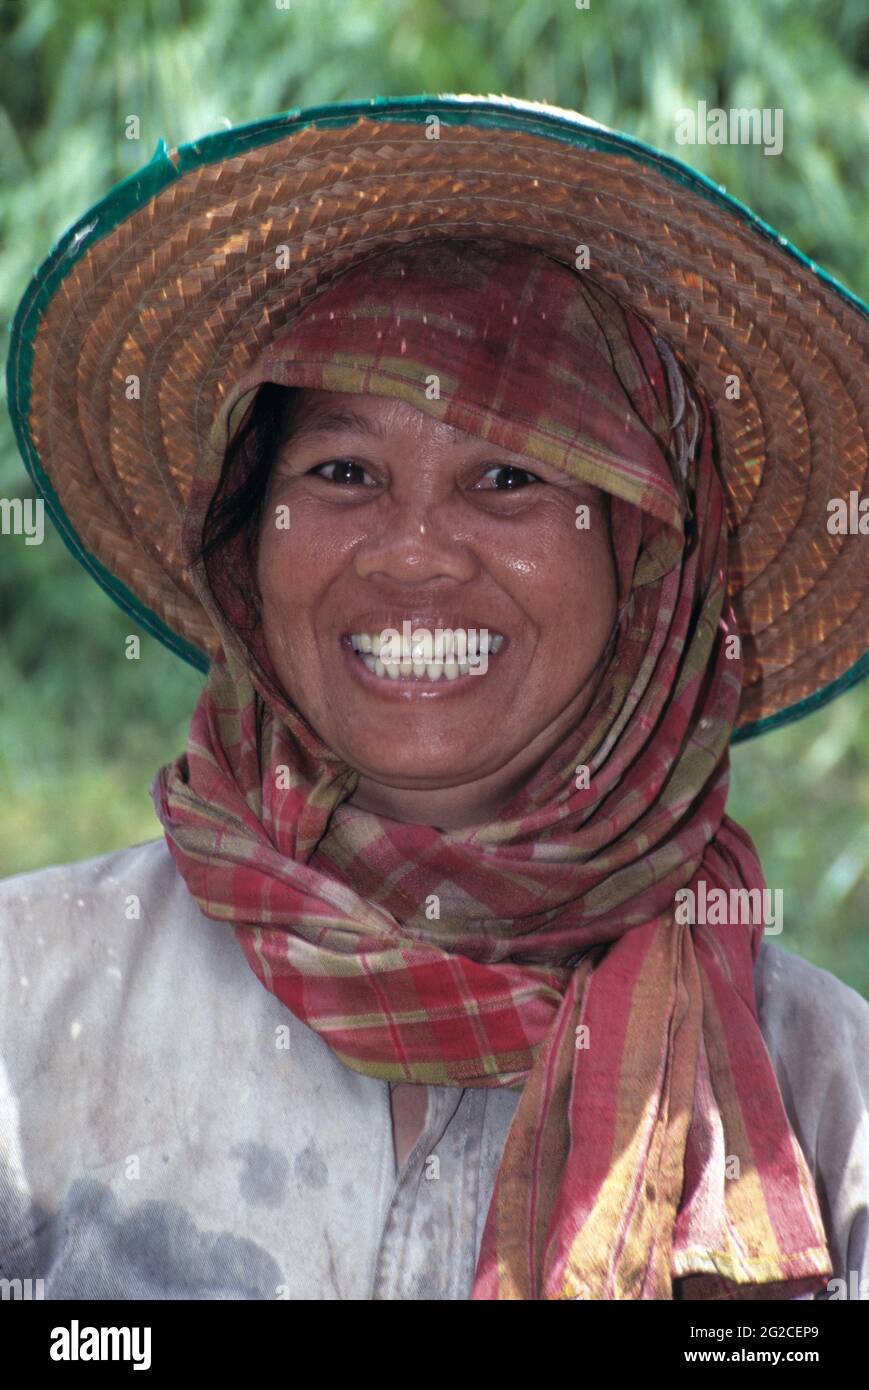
[[169, 1130]]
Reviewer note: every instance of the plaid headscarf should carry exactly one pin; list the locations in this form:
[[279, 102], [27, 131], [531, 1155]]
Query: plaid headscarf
[[649, 1156]]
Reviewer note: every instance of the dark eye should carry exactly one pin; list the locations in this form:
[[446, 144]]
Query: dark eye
[[345, 471], [508, 477]]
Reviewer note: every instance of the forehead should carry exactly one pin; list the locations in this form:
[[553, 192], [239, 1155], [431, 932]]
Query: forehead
[[315, 413]]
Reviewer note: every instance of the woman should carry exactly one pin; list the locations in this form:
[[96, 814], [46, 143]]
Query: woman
[[457, 777]]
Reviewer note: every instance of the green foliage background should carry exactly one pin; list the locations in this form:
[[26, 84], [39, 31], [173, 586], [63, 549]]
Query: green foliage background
[[83, 729]]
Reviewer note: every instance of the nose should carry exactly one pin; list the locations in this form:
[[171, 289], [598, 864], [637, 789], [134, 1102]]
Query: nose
[[417, 544]]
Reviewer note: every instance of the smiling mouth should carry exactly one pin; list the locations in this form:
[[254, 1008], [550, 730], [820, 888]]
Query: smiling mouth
[[424, 654]]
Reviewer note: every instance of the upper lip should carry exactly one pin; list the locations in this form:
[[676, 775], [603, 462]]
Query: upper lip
[[378, 621]]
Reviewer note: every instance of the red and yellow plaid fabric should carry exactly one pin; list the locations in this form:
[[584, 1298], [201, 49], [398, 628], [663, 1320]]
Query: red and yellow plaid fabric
[[657, 1160]]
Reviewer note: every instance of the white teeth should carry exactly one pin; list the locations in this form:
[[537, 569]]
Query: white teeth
[[425, 655]]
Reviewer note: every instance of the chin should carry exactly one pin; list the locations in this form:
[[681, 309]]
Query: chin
[[417, 769]]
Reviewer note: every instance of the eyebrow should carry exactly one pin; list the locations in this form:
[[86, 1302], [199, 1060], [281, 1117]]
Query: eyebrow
[[331, 421]]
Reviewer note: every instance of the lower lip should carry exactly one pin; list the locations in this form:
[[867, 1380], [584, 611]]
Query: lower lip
[[411, 688]]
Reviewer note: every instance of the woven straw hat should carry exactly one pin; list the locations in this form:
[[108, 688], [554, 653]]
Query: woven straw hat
[[161, 296]]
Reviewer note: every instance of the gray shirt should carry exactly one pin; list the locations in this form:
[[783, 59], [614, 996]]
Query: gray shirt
[[169, 1130]]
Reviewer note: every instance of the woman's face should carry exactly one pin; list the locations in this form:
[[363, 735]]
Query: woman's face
[[379, 518]]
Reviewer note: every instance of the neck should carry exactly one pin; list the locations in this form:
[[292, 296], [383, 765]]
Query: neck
[[446, 808]]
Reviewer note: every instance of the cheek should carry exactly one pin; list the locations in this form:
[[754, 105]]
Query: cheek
[[564, 579], [272, 572], [302, 573], [272, 559], [290, 575], [592, 588], [297, 559]]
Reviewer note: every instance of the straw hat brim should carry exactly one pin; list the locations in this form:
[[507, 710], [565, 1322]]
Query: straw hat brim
[[162, 296]]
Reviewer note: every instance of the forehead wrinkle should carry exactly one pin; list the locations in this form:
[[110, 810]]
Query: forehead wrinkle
[[332, 421], [329, 421]]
